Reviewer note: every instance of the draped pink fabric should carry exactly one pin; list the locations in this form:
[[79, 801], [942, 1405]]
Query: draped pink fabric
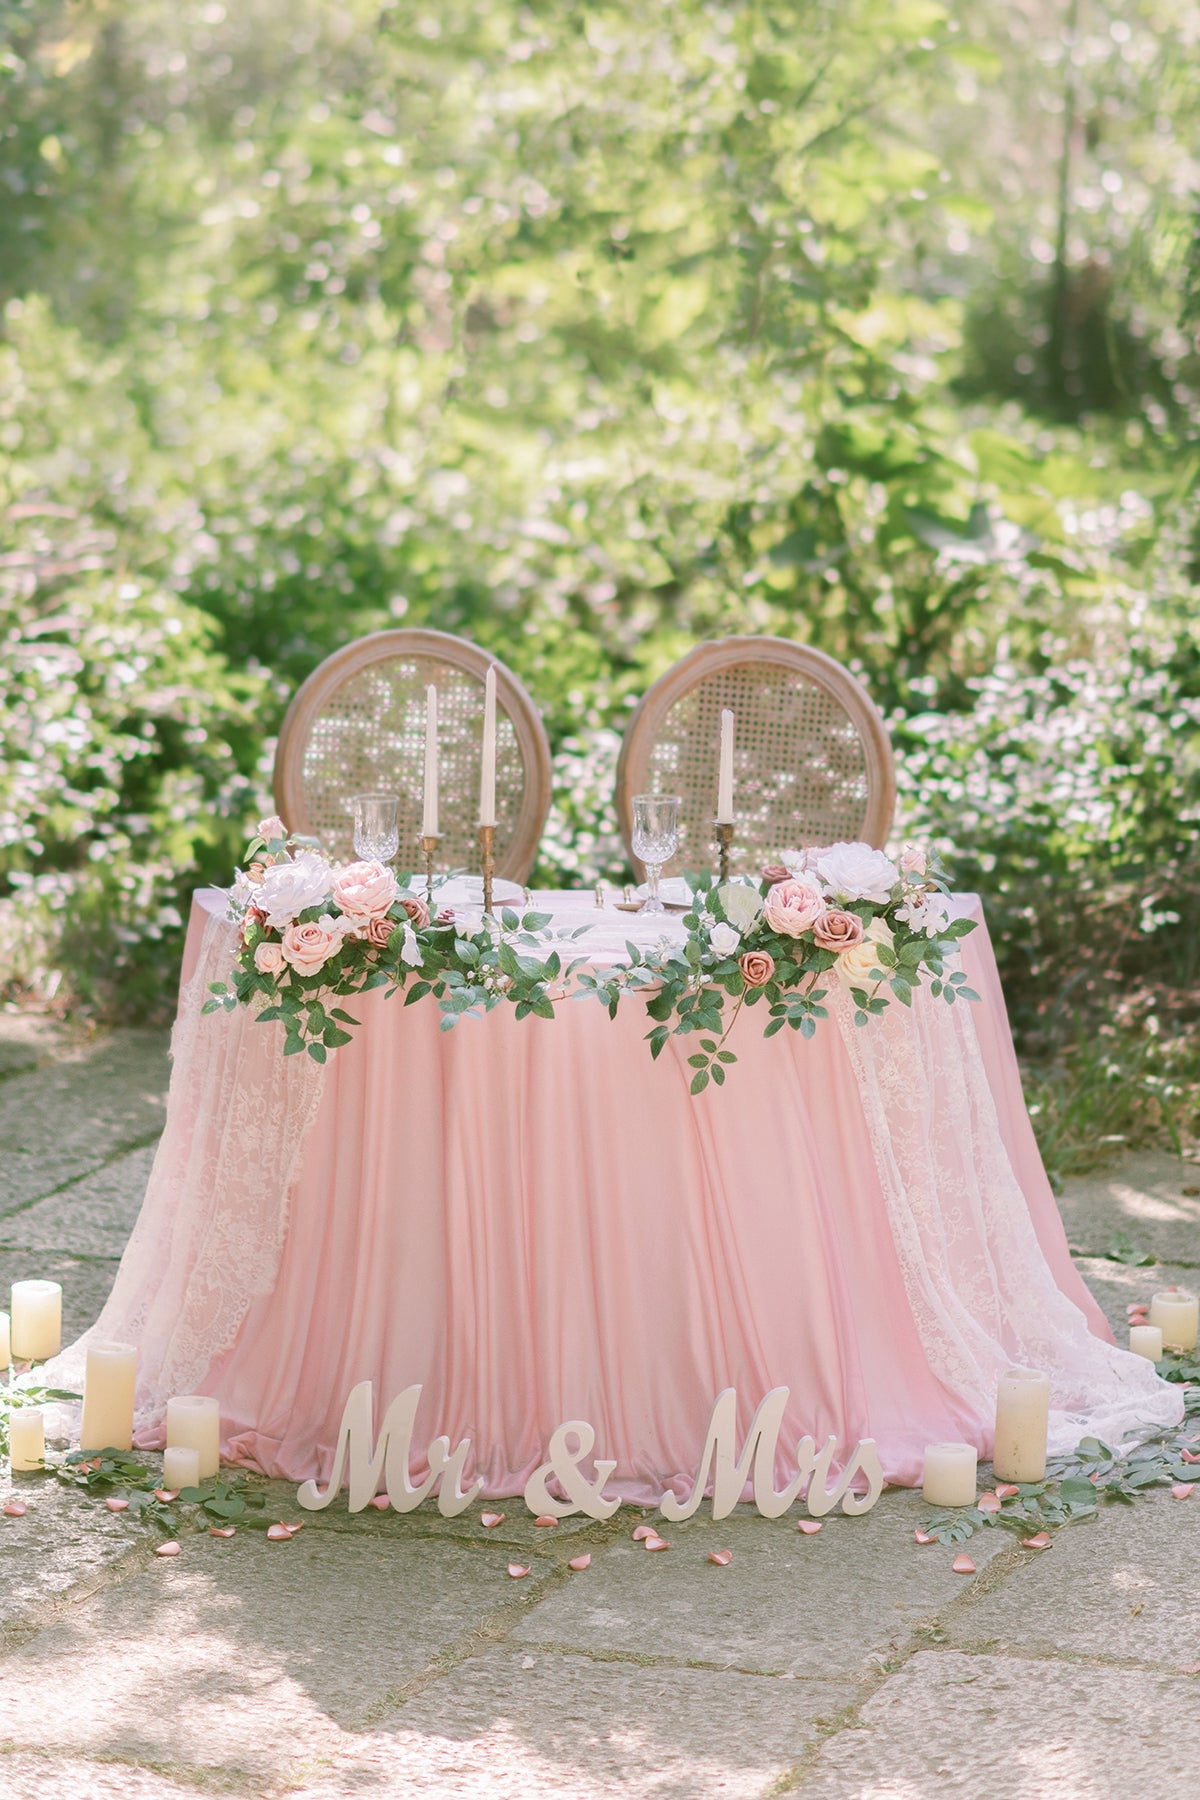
[[537, 1224]]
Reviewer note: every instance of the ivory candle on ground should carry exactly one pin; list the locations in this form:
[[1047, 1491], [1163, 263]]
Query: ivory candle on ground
[[36, 1320], [1022, 1417], [194, 1423], [108, 1383], [1176, 1312], [181, 1467], [487, 773], [1146, 1340], [26, 1437], [5, 1342], [949, 1477], [429, 815], [725, 770]]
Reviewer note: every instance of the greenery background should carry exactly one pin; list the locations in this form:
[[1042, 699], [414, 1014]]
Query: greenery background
[[587, 331]]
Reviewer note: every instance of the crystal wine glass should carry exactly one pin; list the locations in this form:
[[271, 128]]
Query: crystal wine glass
[[376, 826], [655, 835]]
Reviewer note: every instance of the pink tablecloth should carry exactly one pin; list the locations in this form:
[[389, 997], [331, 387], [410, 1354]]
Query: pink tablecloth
[[537, 1224]]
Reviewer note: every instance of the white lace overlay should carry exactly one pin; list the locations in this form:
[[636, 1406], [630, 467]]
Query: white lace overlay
[[208, 1239], [982, 1294]]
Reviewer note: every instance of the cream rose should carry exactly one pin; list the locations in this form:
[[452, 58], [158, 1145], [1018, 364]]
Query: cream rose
[[860, 961], [757, 968], [268, 958], [309, 947], [793, 907], [836, 930], [364, 890]]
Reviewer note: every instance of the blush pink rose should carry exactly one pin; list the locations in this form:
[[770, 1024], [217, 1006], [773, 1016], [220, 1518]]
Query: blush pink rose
[[793, 907], [364, 890], [838, 930], [757, 968], [418, 912], [309, 947], [268, 958]]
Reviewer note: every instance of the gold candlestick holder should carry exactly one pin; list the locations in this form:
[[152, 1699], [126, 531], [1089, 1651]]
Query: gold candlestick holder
[[724, 833], [429, 848], [487, 847]]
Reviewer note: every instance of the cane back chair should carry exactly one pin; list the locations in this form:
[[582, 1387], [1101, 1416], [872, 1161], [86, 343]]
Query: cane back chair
[[357, 725], [812, 760]]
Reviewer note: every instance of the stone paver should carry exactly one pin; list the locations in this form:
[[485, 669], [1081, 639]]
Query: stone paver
[[515, 1723], [961, 1726], [25, 1777], [246, 1657], [1115, 1285], [92, 1217], [836, 1603], [1151, 1197], [63, 1121], [64, 1540], [1124, 1585]]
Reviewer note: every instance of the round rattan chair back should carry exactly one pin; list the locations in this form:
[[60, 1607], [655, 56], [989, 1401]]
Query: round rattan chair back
[[357, 725], [812, 760]]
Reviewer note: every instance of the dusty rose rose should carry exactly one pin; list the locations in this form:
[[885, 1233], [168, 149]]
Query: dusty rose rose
[[792, 907], [364, 890], [268, 958], [418, 912], [309, 947], [773, 872], [378, 931], [757, 968], [838, 930]]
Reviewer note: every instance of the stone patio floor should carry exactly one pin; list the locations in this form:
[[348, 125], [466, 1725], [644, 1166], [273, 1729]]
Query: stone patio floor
[[381, 1655]]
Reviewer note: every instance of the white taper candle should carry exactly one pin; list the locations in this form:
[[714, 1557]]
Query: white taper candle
[[725, 770]]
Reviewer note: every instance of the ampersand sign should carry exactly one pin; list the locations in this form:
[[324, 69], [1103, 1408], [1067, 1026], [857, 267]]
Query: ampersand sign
[[570, 1445]]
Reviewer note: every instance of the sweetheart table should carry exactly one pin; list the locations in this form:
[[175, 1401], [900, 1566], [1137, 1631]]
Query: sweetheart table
[[537, 1223]]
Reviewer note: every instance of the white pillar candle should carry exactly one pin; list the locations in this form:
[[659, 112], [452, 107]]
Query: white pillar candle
[[26, 1437], [1022, 1418], [487, 772], [1146, 1340], [1176, 1312], [5, 1342], [108, 1384], [725, 770], [949, 1477], [36, 1320], [429, 817], [194, 1423], [181, 1467]]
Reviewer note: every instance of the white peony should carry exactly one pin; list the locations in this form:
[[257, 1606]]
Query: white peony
[[724, 939], [927, 912], [288, 888], [857, 872]]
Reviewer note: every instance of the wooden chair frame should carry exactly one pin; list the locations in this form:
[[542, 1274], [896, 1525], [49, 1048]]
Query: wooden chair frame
[[515, 855], [709, 659]]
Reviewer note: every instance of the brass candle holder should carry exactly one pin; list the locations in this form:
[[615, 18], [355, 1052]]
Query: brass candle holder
[[724, 831], [429, 847], [487, 847]]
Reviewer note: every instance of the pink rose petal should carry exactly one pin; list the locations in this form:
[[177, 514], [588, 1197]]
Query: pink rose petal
[[810, 1527], [1007, 1490], [580, 1562], [924, 1537], [545, 1519], [16, 1509], [720, 1557], [518, 1571], [656, 1543], [171, 1549], [1190, 1456], [1040, 1541], [380, 1502], [643, 1531], [962, 1565], [117, 1503], [1189, 1668], [279, 1534], [988, 1503], [221, 1530], [1137, 1306], [1183, 1490], [490, 1520], [166, 1495]]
